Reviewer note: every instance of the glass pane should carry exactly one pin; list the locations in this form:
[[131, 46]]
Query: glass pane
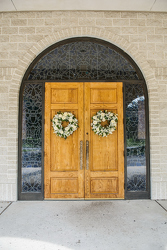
[[83, 60], [136, 141], [32, 138]]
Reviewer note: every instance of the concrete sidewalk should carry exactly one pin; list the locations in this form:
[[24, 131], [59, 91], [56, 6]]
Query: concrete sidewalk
[[84, 225]]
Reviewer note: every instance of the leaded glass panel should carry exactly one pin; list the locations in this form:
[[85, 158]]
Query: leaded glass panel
[[135, 137], [83, 60], [32, 138]]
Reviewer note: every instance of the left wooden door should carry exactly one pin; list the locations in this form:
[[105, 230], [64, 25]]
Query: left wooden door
[[64, 175]]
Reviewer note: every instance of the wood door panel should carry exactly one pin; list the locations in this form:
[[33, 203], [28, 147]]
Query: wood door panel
[[64, 96], [104, 185], [64, 159], [64, 185], [103, 150], [103, 96]]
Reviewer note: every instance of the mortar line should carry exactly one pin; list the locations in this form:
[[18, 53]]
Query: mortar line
[[161, 205], [6, 208]]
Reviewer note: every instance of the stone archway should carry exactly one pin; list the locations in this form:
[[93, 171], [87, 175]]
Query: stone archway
[[80, 32]]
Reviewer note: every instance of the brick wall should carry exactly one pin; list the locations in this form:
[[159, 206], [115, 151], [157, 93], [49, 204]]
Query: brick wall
[[23, 35]]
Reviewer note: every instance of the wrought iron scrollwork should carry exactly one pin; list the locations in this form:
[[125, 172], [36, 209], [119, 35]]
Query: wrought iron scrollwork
[[32, 138], [83, 60]]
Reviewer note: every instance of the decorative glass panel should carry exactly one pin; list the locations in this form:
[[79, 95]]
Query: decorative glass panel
[[32, 138], [83, 60], [135, 136]]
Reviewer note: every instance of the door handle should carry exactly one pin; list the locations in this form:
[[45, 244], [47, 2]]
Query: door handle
[[81, 155], [87, 155]]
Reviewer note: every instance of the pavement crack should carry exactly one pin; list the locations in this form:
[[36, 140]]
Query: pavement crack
[[161, 206], [6, 208]]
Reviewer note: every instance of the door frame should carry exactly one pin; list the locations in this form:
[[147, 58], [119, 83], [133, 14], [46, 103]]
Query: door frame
[[40, 196]]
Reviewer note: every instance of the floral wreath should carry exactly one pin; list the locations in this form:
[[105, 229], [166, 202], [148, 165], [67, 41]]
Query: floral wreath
[[100, 117], [58, 127]]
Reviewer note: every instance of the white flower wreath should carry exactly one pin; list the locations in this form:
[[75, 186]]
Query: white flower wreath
[[58, 127], [100, 117]]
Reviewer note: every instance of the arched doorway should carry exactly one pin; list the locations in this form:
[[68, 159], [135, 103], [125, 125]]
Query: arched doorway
[[83, 60]]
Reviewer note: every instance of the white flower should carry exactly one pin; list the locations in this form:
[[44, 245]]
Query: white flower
[[95, 122]]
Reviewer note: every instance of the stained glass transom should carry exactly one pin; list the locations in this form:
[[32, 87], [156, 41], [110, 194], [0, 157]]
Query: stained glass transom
[[32, 138], [135, 137], [83, 60]]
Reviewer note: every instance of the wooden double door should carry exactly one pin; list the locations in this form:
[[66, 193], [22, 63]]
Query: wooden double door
[[84, 166]]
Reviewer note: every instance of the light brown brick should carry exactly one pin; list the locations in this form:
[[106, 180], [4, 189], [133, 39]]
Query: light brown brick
[[112, 14], [92, 14], [114, 30], [4, 22], [137, 22], [18, 22], [147, 46], [27, 30], [8, 46], [25, 46], [104, 22], [26, 14], [155, 55], [44, 14], [16, 54], [77, 13], [155, 38], [60, 14], [4, 55], [137, 38], [35, 22], [87, 21], [53, 21], [10, 14], [154, 22], [146, 15], [43, 30], [121, 22], [4, 38], [70, 21], [129, 30], [146, 30], [18, 38], [162, 31], [129, 14], [9, 30], [34, 38]]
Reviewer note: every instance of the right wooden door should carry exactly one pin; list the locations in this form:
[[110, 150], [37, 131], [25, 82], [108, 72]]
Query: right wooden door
[[104, 166], [84, 166]]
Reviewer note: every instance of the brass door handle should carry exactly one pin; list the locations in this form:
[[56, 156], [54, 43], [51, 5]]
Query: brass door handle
[[87, 155], [81, 155]]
